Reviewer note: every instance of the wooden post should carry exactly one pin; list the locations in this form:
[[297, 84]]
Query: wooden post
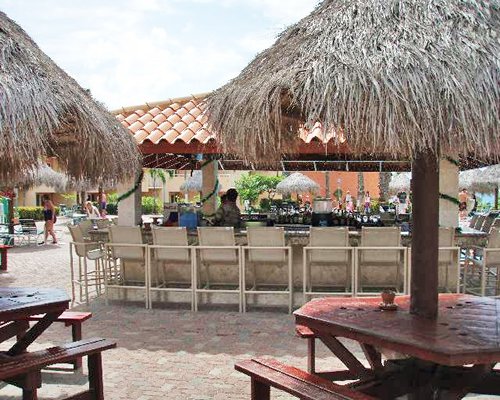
[[425, 228], [209, 179], [495, 206]]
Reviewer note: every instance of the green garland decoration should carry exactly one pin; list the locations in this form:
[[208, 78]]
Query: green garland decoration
[[453, 161], [451, 199], [131, 191]]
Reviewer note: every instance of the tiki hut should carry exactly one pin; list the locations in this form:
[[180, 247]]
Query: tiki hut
[[44, 175], [194, 183], [411, 78], [44, 112], [482, 180], [297, 183]]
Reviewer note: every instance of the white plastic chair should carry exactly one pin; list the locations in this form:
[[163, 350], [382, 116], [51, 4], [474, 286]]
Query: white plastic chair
[[266, 246], [329, 249], [170, 248], [217, 249], [381, 252], [126, 245], [85, 251]]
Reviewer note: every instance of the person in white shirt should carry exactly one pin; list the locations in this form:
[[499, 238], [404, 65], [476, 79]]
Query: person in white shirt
[[92, 211]]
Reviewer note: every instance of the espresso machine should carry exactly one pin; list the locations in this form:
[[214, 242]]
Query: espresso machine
[[322, 214]]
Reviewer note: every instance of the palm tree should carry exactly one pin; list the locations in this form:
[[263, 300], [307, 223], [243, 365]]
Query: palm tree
[[157, 173], [384, 178]]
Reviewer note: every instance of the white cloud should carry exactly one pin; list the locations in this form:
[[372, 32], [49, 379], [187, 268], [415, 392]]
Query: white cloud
[[135, 51]]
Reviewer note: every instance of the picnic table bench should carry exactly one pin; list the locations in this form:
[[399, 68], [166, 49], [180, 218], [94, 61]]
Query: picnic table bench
[[24, 370], [267, 373], [74, 319]]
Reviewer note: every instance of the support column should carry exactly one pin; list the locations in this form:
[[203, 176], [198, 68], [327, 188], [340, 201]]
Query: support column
[[424, 254], [209, 174], [448, 185], [130, 208]]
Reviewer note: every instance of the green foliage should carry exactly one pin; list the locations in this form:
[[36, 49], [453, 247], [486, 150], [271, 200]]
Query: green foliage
[[251, 186], [151, 205], [35, 213], [112, 197], [338, 194], [112, 209], [69, 196]]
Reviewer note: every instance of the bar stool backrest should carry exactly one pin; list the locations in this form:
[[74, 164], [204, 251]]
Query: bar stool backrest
[[488, 222], [85, 225], [329, 237], [494, 243], [381, 237], [446, 239], [217, 236], [126, 235], [496, 224], [266, 237], [171, 236], [77, 236]]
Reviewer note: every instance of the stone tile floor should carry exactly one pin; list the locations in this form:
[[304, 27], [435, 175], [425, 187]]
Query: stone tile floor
[[161, 354]]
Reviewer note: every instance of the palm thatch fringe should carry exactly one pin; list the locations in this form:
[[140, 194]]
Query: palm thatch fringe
[[297, 183], [390, 76], [44, 112]]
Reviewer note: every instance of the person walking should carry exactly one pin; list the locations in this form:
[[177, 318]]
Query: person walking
[[49, 216]]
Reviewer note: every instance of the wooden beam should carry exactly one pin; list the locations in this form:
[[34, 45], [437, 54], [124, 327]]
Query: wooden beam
[[425, 228]]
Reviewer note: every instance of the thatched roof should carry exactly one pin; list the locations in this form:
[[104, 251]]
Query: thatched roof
[[482, 180], [391, 76], [44, 175], [400, 182], [297, 183], [44, 112]]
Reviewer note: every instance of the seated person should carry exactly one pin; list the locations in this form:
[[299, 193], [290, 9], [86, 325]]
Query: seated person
[[91, 210], [228, 213]]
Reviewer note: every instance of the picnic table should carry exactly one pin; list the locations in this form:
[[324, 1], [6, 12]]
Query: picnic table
[[18, 304], [22, 368], [450, 356]]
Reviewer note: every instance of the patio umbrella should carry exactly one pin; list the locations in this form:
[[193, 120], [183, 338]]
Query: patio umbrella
[[400, 182], [411, 78], [297, 183], [44, 112]]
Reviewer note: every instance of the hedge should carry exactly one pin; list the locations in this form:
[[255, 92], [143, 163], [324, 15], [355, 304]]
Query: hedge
[[35, 213]]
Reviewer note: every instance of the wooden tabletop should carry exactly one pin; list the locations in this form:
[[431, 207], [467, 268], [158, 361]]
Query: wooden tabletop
[[467, 330], [19, 303]]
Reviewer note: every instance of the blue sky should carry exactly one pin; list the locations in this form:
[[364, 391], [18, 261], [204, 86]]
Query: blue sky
[[135, 51]]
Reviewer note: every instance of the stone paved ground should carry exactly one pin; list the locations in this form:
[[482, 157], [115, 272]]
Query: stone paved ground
[[161, 354]]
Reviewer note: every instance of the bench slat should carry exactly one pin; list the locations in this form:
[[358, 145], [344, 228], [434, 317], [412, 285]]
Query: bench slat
[[297, 382], [304, 332], [66, 316], [29, 362]]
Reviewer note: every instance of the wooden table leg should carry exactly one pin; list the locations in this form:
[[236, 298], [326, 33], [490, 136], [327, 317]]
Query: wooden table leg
[[260, 391], [31, 335], [96, 386]]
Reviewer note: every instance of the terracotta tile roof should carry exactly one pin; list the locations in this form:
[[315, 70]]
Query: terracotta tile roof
[[184, 119]]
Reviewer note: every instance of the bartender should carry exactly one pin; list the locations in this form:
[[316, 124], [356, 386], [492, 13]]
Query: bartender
[[228, 213]]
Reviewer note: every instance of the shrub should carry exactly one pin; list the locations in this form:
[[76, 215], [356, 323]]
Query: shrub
[[112, 208], [148, 205], [35, 213]]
